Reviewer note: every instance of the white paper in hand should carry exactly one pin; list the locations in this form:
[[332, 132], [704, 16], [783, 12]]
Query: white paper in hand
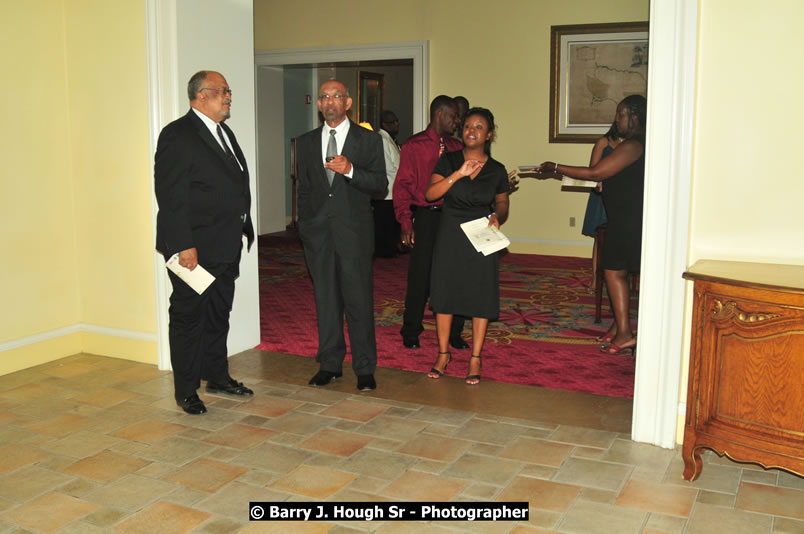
[[199, 278], [486, 239]]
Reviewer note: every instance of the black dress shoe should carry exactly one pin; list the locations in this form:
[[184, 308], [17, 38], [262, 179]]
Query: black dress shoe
[[192, 404], [411, 342], [366, 383], [232, 387], [459, 343], [322, 378]]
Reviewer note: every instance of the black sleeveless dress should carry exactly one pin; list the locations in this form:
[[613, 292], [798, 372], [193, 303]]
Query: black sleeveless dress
[[464, 281], [622, 196]]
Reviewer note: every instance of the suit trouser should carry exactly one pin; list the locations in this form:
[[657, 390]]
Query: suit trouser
[[386, 229], [199, 326], [425, 228], [343, 283]]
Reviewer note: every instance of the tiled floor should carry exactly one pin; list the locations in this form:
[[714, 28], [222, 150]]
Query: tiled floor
[[93, 444]]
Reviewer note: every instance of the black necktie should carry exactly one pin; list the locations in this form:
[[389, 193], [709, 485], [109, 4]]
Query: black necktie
[[226, 146]]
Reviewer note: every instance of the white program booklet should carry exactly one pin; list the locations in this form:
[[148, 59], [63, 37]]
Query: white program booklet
[[486, 239], [199, 278], [572, 182]]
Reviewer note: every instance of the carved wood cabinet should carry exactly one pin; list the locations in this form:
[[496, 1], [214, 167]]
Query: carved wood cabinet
[[745, 397]]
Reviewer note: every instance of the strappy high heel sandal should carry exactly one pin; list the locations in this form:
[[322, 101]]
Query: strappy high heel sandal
[[435, 373], [474, 380]]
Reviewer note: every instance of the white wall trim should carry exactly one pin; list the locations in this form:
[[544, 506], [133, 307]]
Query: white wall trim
[[74, 329], [671, 101], [418, 51], [161, 66]]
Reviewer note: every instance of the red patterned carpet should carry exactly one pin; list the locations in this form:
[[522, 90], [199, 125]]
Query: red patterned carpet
[[544, 336]]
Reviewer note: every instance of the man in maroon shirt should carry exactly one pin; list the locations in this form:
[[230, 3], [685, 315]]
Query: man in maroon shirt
[[419, 219]]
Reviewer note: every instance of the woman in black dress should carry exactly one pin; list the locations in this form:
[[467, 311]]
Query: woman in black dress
[[464, 281], [624, 172]]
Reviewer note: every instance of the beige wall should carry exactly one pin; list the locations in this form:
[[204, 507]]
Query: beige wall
[[76, 208], [495, 54]]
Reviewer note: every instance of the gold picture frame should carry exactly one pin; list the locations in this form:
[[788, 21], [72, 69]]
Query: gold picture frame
[[592, 68], [370, 97]]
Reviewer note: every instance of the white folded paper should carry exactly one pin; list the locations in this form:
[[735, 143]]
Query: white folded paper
[[199, 278], [572, 182], [486, 239]]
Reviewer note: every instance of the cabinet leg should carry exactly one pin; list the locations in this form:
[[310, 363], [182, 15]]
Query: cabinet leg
[[692, 463]]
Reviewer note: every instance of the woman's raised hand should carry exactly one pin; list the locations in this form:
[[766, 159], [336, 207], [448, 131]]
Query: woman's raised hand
[[470, 166]]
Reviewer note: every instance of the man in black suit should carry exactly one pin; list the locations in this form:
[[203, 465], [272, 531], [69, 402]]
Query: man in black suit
[[204, 201], [341, 166]]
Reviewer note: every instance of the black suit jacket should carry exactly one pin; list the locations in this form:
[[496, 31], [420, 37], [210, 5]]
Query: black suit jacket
[[202, 194], [345, 208]]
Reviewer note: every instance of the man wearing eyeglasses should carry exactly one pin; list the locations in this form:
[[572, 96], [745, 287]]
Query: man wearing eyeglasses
[[341, 166], [202, 189]]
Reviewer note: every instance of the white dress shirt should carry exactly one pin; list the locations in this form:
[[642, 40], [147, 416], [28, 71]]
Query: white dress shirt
[[341, 131]]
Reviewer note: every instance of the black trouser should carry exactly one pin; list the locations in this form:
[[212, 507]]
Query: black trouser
[[199, 326], [425, 228], [386, 229]]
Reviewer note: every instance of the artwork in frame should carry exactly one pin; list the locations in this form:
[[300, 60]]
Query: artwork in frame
[[592, 68]]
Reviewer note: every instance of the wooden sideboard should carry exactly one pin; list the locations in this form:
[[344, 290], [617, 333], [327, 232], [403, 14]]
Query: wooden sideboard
[[745, 397]]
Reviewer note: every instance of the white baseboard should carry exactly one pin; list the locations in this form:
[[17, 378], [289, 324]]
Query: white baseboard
[[76, 328]]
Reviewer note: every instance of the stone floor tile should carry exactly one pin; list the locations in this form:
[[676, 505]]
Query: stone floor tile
[[489, 432], [541, 494], [268, 406], [586, 437], [785, 502], [62, 425], [177, 451], [789, 480], [105, 398], [149, 431], [783, 525], [481, 492], [12, 457], [299, 423], [81, 444], [49, 512], [105, 517], [272, 457], [34, 393], [593, 474], [240, 436], [232, 501], [28, 482], [78, 487], [335, 442], [537, 451], [718, 499], [382, 465], [496, 471], [599, 496], [709, 519], [354, 410], [720, 478], [660, 498], [665, 524], [205, 474], [437, 448], [185, 496], [314, 482], [446, 416], [760, 477], [586, 517], [105, 466], [130, 493], [538, 471], [168, 516], [221, 525], [390, 427], [417, 486], [284, 527]]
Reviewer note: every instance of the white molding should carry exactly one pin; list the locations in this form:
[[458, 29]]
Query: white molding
[[671, 100], [74, 329], [161, 66], [418, 51]]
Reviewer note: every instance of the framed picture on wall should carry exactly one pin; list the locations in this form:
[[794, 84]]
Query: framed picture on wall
[[592, 68], [370, 98]]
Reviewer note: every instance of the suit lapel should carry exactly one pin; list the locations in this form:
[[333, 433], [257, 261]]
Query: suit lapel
[[213, 143]]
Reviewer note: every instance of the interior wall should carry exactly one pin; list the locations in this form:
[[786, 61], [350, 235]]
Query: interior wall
[[746, 193], [508, 75], [298, 83], [75, 207], [272, 176]]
